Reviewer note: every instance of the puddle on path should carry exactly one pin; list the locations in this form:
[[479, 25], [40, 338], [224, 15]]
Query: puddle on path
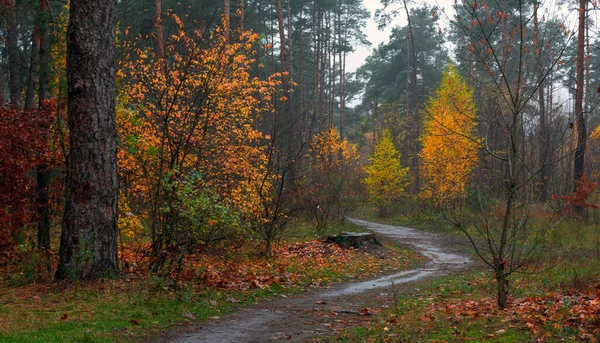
[[386, 281]]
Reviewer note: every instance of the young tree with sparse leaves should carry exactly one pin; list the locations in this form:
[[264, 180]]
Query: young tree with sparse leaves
[[496, 37], [328, 190]]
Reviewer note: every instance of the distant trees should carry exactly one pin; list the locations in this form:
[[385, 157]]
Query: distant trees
[[399, 76]]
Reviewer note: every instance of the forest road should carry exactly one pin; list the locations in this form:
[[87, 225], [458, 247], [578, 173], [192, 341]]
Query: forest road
[[323, 312]]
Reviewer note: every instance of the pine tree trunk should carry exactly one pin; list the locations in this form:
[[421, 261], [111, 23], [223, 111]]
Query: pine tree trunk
[[242, 15], [331, 68], [416, 115], [304, 121], [316, 74], [226, 13], [579, 163], [88, 246], [342, 92], [2, 86], [12, 51], [323, 53], [282, 52], [543, 135], [32, 79], [286, 113], [160, 35], [44, 53], [42, 171]]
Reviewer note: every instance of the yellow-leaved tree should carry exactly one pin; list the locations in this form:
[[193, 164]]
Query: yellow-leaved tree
[[449, 151], [387, 178]]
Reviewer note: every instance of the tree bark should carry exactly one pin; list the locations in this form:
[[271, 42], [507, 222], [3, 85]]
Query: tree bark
[[304, 117], [2, 85], [316, 72], [285, 83], [342, 67], [42, 172], [543, 134], [242, 15], [283, 50], [12, 51], [579, 161], [323, 71], [226, 13], [88, 247], [32, 79], [417, 118], [501, 285], [160, 35], [44, 53]]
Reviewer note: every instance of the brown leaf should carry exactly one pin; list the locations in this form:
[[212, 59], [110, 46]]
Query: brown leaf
[[365, 312], [134, 322]]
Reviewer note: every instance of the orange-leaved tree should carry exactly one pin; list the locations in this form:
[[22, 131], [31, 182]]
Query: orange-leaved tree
[[449, 151], [386, 179], [329, 187], [190, 156]]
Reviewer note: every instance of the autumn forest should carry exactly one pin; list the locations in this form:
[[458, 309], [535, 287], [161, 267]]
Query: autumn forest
[[239, 171]]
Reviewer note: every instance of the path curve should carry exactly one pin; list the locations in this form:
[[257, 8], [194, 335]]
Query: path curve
[[289, 318]]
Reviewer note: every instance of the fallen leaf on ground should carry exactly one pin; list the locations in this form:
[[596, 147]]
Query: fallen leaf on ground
[[365, 312]]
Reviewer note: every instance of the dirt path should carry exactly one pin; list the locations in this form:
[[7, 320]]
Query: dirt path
[[324, 312]]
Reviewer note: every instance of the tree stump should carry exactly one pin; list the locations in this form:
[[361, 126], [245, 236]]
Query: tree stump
[[354, 239]]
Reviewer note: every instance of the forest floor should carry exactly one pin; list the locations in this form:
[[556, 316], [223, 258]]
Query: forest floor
[[328, 312], [310, 290], [213, 281]]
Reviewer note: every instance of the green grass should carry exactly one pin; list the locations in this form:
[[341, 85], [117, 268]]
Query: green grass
[[299, 231], [113, 311], [109, 310]]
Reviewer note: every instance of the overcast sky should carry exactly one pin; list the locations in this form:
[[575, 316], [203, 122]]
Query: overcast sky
[[357, 58]]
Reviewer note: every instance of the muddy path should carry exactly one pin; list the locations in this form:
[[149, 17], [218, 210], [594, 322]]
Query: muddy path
[[324, 312]]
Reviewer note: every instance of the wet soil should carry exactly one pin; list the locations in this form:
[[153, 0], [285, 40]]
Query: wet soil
[[327, 311]]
